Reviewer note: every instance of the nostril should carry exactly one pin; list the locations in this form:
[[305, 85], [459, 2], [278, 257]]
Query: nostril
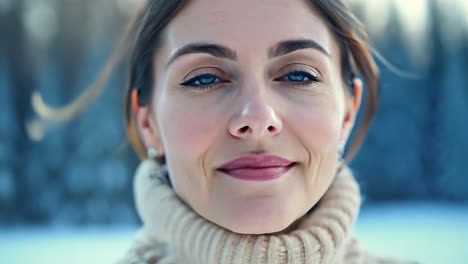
[[243, 129], [271, 128]]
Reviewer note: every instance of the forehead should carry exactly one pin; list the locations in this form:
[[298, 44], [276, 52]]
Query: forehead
[[247, 25]]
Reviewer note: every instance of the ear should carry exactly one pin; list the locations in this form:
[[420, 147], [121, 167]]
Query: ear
[[149, 130], [352, 107]]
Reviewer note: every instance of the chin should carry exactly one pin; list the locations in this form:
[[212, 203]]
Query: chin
[[255, 215], [256, 224]]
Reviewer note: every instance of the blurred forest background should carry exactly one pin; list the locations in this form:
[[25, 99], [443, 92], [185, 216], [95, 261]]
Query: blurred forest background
[[80, 173]]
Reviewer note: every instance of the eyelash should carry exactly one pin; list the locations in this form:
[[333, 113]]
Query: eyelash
[[190, 83], [312, 78]]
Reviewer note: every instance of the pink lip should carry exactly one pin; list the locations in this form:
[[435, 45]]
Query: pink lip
[[257, 167]]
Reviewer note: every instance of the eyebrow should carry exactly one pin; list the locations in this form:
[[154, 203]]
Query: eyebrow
[[200, 47], [279, 49], [288, 46]]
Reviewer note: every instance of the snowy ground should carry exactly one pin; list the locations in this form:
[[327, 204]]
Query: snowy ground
[[429, 233]]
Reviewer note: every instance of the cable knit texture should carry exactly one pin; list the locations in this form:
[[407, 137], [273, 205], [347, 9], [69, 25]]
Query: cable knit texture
[[173, 233]]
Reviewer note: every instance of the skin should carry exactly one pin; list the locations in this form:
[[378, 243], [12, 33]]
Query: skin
[[256, 108]]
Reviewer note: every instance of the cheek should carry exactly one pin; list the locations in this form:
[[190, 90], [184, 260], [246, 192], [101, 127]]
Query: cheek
[[317, 125], [187, 133], [187, 128]]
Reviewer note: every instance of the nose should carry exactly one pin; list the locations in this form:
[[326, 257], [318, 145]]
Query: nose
[[255, 118]]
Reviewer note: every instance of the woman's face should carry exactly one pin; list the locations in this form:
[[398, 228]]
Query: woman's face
[[249, 79]]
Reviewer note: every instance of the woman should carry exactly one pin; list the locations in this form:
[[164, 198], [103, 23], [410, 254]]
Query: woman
[[248, 105], [240, 111]]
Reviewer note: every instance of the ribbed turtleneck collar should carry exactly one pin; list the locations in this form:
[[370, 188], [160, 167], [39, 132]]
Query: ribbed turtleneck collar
[[321, 237]]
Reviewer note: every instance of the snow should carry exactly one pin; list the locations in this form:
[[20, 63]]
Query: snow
[[431, 233], [428, 233]]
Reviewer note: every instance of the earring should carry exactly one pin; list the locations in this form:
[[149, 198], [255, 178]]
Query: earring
[[152, 153]]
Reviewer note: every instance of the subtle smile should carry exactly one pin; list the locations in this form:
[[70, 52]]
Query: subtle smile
[[257, 167]]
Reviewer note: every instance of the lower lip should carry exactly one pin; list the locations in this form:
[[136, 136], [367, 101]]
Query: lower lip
[[258, 174]]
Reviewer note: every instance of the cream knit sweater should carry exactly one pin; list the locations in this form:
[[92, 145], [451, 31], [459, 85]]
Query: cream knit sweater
[[172, 233]]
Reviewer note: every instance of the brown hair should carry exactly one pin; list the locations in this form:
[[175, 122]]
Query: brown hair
[[356, 58]]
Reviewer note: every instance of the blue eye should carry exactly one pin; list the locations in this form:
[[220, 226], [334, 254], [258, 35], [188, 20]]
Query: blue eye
[[203, 82], [299, 78]]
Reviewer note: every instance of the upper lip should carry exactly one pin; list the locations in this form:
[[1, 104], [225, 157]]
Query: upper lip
[[256, 161]]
